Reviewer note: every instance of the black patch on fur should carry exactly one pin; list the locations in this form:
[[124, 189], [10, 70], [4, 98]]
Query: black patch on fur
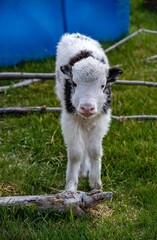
[[113, 74], [108, 102], [81, 55], [66, 69], [68, 88]]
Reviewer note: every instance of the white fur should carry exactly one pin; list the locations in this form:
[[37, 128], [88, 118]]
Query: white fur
[[83, 135]]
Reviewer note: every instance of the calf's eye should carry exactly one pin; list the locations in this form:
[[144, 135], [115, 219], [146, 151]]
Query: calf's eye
[[102, 86]]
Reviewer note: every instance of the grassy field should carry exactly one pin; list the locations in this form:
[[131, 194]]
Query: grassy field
[[33, 154]]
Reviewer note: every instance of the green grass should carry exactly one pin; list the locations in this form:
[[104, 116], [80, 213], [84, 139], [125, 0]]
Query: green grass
[[33, 154]]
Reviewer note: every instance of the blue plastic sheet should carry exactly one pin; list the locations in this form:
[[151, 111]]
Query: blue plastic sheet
[[30, 29]]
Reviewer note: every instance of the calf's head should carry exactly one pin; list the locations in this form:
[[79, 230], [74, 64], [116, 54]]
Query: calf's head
[[87, 86]]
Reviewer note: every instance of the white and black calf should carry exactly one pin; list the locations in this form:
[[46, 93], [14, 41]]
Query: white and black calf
[[83, 86]]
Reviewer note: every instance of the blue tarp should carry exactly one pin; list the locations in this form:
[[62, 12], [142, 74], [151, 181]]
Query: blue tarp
[[30, 29]]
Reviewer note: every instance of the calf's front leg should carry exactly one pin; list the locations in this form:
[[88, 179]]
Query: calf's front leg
[[95, 154], [75, 158]]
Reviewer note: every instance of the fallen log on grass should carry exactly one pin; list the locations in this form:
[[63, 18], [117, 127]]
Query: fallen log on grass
[[60, 202]]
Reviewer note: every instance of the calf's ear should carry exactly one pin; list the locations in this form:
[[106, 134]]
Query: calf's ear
[[66, 69], [113, 74]]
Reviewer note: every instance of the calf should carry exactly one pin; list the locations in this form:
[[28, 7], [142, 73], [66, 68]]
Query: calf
[[83, 86]]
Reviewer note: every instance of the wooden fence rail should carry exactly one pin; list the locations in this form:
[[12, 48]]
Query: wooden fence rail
[[44, 109], [30, 78]]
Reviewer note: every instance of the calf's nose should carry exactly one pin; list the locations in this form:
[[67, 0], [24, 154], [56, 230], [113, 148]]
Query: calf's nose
[[87, 109]]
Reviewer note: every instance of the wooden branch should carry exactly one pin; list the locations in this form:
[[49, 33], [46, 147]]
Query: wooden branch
[[22, 110], [142, 30], [23, 75], [60, 202], [121, 82], [20, 84], [149, 31], [44, 109], [136, 117], [151, 58], [36, 77], [136, 82]]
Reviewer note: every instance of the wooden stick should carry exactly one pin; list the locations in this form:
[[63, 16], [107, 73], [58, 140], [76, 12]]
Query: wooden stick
[[60, 202], [44, 109], [20, 84], [123, 40], [136, 117], [149, 31], [121, 82], [151, 58], [136, 82], [23, 75], [129, 37], [22, 110]]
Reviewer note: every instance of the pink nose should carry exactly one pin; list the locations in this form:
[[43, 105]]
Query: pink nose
[[87, 109]]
